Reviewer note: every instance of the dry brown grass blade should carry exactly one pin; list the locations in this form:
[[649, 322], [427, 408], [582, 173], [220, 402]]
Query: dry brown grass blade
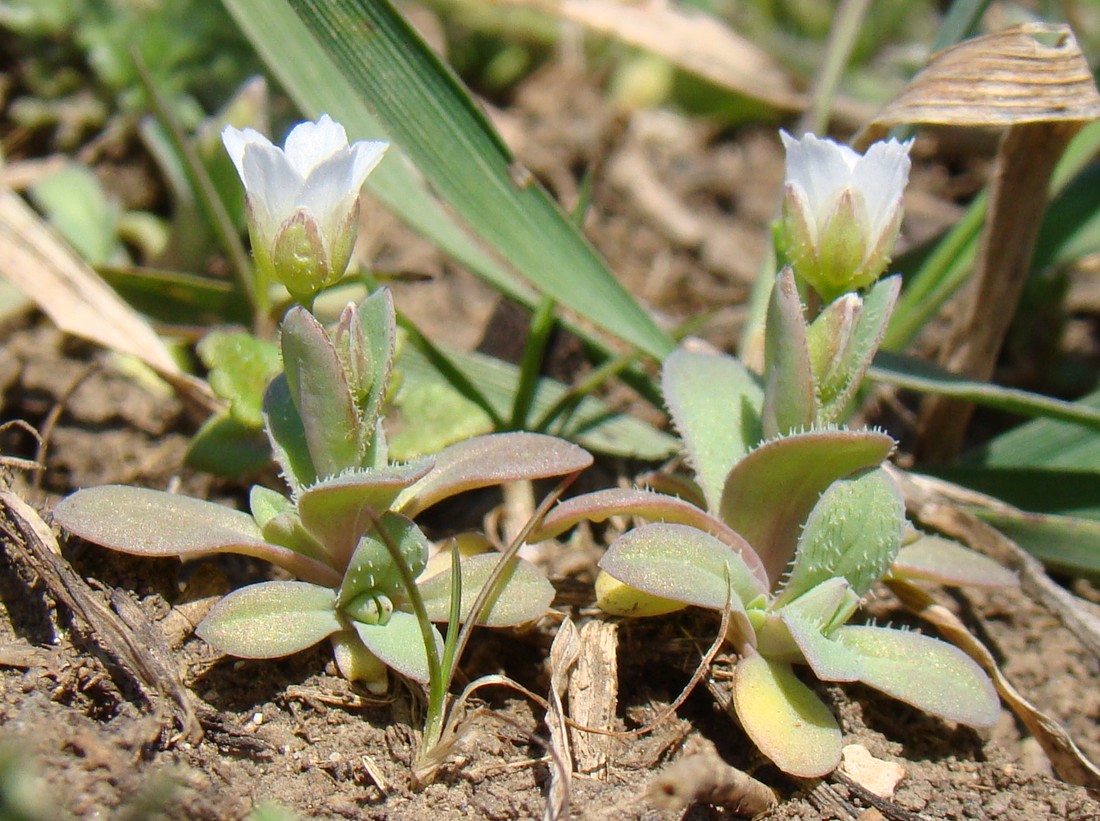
[[69, 292], [1066, 758], [563, 655], [690, 40], [127, 637]]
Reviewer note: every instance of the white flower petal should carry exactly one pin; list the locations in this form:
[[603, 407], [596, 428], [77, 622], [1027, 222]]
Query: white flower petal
[[366, 154], [327, 192], [820, 167], [237, 140], [881, 176], [272, 187], [310, 144]]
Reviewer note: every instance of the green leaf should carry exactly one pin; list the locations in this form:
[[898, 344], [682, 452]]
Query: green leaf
[[400, 644], [801, 631], [335, 510], [715, 404], [75, 204], [240, 368], [379, 328], [430, 116], [684, 564], [287, 435], [490, 460], [601, 505], [153, 523], [784, 719], [227, 447], [912, 374], [929, 674], [524, 593], [942, 560], [592, 424], [790, 402], [270, 619], [845, 373], [430, 416], [1061, 542], [372, 568], [266, 504], [319, 389], [853, 532], [770, 492]]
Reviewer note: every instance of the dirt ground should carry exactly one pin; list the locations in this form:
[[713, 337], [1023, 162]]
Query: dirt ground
[[680, 211]]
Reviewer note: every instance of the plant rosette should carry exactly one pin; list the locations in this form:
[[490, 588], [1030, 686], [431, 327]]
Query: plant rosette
[[345, 530], [789, 533]]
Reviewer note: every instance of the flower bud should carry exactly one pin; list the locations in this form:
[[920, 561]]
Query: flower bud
[[841, 211], [303, 200]]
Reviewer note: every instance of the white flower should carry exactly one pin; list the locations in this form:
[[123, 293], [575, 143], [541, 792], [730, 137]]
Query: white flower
[[303, 200], [842, 211]]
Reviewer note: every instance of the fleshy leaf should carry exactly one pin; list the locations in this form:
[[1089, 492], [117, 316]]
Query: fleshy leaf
[[798, 632], [846, 373], [372, 569], [266, 504], [853, 532], [286, 529], [271, 619], [770, 492], [929, 674], [240, 367], [357, 663], [948, 562], [618, 599], [790, 403], [287, 435], [684, 564], [524, 592], [400, 644], [715, 404], [603, 504], [153, 523], [335, 510], [489, 460], [784, 718], [320, 391]]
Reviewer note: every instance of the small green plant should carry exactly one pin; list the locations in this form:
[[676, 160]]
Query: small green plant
[[790, 520], [346, 529]]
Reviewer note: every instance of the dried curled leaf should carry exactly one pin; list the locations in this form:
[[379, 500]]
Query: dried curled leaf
[[1033, 72]]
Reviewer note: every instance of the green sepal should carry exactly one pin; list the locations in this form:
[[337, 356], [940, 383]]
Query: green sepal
[[784, 718], [715, 403], [271, 619]]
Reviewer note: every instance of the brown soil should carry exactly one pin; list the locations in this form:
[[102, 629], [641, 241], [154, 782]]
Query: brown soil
[[681, 216]]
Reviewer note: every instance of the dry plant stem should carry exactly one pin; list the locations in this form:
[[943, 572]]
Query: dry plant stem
[[593, 696], [563, 656], [144, 657], [700, 776], [1018, 197]]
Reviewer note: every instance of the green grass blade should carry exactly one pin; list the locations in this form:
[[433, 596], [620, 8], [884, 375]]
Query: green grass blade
[[425, 109], [912, 374]]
